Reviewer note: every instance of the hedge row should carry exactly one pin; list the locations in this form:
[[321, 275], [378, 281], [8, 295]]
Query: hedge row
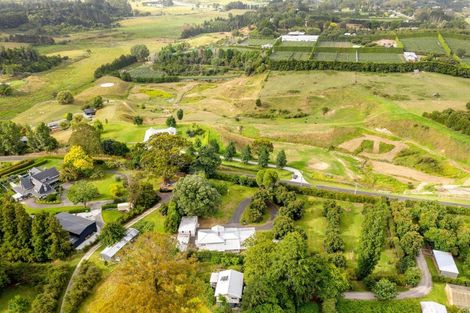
[[413, 34], [448, 280], [355, 306], [156, 79], [315, 192], [429, 66], [236, 179], [15, 167], [294, 48], [360, 50]]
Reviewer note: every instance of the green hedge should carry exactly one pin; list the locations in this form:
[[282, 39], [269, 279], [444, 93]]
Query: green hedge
[[294, 48], [360, 50], [356, 306], [16, 167], [25, 168], [413, 34], [429, 66]]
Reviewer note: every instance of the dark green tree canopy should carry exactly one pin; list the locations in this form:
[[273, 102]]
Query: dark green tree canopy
[[194, 195]]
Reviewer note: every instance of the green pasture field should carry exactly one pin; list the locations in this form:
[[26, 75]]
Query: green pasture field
[[336, 56], [458, 43], [257, 41], [335, 44], [381, 57], [290, 55], [422, 45], [297, 44]]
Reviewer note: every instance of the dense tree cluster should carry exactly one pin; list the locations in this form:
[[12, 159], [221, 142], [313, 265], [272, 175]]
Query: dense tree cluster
[[25, 60], [372, 237], [333, 242], [26, 239], [48, 300], [114, 67], [12, 139], [32, 38], [57, 15], [180, 59], [87, 137], [233, 22], [454, 119], [282, 276]]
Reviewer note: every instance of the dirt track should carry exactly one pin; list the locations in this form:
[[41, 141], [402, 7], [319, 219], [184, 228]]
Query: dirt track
[[355, 143], [406, 174]]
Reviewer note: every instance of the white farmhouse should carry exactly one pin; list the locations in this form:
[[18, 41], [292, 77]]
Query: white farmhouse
[[153, 131], [445, 264], [228, 284], [186, 230], [220, 238]]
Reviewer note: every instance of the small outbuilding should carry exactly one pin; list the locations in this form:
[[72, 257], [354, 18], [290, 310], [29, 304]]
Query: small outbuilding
[[187, 230], [458, 296], [432, 307], [445, 264], [79, 228], [109, 253], [410, 56], [228, 284], [124, 207]]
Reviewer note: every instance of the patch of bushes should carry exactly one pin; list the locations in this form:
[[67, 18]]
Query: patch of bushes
[[333, 242], [355, 306], [48, 300], [82, 285], [220, 258], [257, 208]]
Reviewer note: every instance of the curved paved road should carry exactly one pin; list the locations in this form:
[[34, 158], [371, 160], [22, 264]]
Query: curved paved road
[[237, 215], [423, 288]]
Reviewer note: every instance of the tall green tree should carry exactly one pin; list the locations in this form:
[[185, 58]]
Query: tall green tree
[[40, 139], [112, 233], [281, 159], [207, 161], [39, 236], [10, 139], [163, 156], [65, 97], [246, 154], [58, 242], [141, 52], [263, 158], [194, 195], [82, 192], [87, 137], [180, 114], [230, 151], [261, 144], [170, 121]]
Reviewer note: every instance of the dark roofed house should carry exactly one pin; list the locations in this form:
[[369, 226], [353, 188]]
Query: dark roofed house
[[79, 228], [89, 112], [38, 183]]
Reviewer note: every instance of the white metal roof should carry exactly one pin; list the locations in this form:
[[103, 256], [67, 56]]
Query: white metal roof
[[229, 283], [432, 307], [220, 238], [153, 131], [308, 38], [445, 261], [110, 251], [188, 224]]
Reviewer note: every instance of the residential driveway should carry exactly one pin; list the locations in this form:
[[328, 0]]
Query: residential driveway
[[237, 215], [423, 288]]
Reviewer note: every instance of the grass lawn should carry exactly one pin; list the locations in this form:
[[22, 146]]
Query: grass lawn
[[26, 291], [111, 215], [156, 219], [105, 184], [230, 201]]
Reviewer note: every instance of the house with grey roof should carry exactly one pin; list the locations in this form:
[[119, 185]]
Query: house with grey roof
[[36, 183], [228, 284], [79, 228]]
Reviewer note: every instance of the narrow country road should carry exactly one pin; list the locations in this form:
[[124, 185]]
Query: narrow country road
[[165, 197], [423, 288]]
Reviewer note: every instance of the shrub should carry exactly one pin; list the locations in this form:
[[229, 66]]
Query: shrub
[[112, 233], [18, 305], [385, 289], [221, 187], [412, 277], [65, 97], [82, 285], [329, 306], [47, 300]]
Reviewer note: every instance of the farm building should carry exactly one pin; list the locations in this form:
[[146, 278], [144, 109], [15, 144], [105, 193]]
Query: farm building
[[432, 307], [37, 183], [79, 228], [458, 296], [410, 56], [445, 264], [228, 284], [299, 36], [186, 230], [220, 238], [124, 207], [109, 253], [153, 131]]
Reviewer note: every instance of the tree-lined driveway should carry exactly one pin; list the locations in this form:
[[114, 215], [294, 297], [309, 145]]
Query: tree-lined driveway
[[424, 287], [242, 206]]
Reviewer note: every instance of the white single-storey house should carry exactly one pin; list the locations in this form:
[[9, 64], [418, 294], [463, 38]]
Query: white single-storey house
[[220, 238], [445, 264], [187, 229], [296, 33], [124, 207], [109, 253], [228, 284], [153, 131], [432, 307], [300, 38], [410, 56]]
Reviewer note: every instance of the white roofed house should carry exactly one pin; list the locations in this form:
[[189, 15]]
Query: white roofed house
[[445, 264], [410, 56], [224, 239], [228, 284], [186, 231], [153, 131]]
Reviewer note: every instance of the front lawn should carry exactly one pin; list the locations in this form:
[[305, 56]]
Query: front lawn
[[56, 210], [111, 215]]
